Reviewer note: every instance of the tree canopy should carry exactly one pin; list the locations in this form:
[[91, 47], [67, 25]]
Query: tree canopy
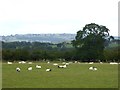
[[90, 41]]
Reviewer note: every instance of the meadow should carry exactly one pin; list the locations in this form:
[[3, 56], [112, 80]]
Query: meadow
[[76, 75]]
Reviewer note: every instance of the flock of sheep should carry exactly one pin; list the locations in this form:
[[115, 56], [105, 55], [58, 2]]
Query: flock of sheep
[[63, 65]]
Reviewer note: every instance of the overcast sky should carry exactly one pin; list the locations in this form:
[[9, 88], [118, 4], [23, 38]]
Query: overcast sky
[[56, 16]]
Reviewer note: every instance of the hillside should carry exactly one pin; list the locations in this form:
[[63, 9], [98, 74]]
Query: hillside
[[51, 38]]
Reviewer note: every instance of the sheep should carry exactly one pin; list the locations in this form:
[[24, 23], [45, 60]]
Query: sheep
[[90, 62], [75, 62], [101, 62], [30, 68], [113, 63], [93, 68], [18, 69], [37, 66], [22, 62], [29, 62], [66, 63], [48, 62], [62, 66], [48, 70], [9, 62], [55, 64], [90, 68], [70, 62]]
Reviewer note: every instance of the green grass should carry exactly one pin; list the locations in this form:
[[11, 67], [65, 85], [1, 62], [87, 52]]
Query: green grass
[[74, 76]]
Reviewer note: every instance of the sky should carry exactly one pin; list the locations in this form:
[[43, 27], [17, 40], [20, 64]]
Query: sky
[[56, 16]]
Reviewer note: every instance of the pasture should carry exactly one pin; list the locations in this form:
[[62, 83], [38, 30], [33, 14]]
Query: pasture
[[76, 75]]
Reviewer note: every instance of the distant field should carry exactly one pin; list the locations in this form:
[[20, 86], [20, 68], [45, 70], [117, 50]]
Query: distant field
[[74, 76]]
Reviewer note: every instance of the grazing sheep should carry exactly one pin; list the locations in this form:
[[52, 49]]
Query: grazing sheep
[[113, 63], [29, 62], [20, 62], [48, 62], [90, 62], [75, 61], [62, 66], [23, 62], [9, 62], [90, 68], [70, 62], [55, 64], [37, 66], [93, 68], [48, 70], [18, 69], [63, 62], [30, 68], [66, 63]]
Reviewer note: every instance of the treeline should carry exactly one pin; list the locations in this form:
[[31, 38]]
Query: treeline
[[36, 51]]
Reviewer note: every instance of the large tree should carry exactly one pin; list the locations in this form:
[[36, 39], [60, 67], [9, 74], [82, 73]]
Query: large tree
[[90, 41]]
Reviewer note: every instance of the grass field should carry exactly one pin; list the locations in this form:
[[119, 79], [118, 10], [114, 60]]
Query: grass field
[[74, 76]]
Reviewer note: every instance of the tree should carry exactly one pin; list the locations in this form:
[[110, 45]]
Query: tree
[[90, 41]]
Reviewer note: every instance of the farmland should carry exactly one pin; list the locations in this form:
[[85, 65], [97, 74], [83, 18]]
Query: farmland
[[76, 75]]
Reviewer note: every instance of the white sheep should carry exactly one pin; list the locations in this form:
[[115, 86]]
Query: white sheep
[[48, 70], [20, 62], [48, 62], [23, 62], [90, 62], [29, 62], [113, 63], [55, 64], [90, 68], [75, 61], [93, 68], [38, 66], [66, 63], [9, 62], [18, 69], [63, 62], [30, 68], [62, 66]]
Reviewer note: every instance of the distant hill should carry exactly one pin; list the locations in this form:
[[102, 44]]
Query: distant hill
[[51, 38]]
